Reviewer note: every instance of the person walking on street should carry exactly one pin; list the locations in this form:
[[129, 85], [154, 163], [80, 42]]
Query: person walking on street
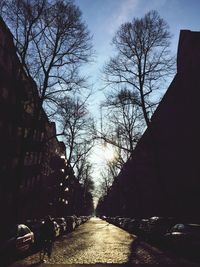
[[48, 237]]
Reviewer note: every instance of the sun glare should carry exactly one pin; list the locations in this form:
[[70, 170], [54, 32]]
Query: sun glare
[[103, 153], [108, 152]]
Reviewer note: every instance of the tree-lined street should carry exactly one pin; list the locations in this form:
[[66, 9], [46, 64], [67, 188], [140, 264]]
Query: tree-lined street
[[97, 241], [88, 129]]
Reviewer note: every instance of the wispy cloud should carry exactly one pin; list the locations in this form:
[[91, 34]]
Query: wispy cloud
[[124, 12]]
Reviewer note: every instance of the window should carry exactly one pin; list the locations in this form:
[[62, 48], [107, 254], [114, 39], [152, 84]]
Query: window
[[10, 130], [42, 136], [181, 227], [178, 227], [33, 181], [28, 107], [4, 92], [38, 178], [26, 159], [14, 162], [23, 230], [35, 157], [25, 132], [40, 157], [28, 182], [19, 131], [35, 135]]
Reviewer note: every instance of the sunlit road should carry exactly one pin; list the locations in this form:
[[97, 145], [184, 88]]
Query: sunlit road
[[96, 241]]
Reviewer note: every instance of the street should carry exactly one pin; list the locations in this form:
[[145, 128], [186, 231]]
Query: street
[[97, 241]]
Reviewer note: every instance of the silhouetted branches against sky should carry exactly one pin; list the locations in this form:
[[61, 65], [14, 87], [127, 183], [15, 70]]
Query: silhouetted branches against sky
[[142, 58], [122, 123], [52, 43], [132, 76], [77, 126]]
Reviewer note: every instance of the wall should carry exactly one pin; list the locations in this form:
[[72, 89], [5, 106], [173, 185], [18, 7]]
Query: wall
[[163, 175]]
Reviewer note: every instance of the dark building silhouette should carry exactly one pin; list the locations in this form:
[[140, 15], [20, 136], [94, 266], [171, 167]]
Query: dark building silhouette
[[163, 175], [33, 165]]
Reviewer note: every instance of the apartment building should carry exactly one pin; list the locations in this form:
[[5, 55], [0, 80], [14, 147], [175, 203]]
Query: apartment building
[[162, 177], [30, 179]]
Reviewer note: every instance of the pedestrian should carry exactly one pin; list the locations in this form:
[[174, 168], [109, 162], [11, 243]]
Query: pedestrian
[[48, 237]]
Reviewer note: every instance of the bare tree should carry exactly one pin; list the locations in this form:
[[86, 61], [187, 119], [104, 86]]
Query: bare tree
[[77, 127], [83, 168], [22, 17], [122, 129], [123, 125], [84, 175], [86, 178], [52, 42], [142, 62], [102, 187], [105, 184], [107, 177], [142, 59]]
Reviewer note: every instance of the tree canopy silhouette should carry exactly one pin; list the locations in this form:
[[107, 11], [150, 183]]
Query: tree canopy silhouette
[[142, 60]]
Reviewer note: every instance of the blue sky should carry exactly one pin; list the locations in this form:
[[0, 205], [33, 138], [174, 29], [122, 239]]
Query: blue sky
[[104, 17]]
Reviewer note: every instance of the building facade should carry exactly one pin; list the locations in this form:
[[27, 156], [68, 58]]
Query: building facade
[[162, 177], [32, 159]]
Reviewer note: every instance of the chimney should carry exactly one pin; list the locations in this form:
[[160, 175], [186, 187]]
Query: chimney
[[188, 56]]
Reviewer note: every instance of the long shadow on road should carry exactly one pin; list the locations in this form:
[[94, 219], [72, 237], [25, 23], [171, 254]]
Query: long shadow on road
[[144, 253]]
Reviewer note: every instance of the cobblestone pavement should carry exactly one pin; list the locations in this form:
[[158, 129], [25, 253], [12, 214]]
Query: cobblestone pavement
[[96, 241]]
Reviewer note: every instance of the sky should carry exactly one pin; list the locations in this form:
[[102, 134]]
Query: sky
[[104, 17]]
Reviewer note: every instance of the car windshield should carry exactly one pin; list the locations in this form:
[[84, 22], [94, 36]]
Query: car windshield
[[59, 220], [23, 230]]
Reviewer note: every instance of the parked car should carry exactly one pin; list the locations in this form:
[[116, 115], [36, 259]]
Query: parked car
[[78, 221], [19, 240], [118, 221], [84, 218], [62, 223], [143, 229], [71, 223], [56, 229], [158, 227], [124, 222], [36, 227], [111, 219], [184, 237], [132, 226]]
